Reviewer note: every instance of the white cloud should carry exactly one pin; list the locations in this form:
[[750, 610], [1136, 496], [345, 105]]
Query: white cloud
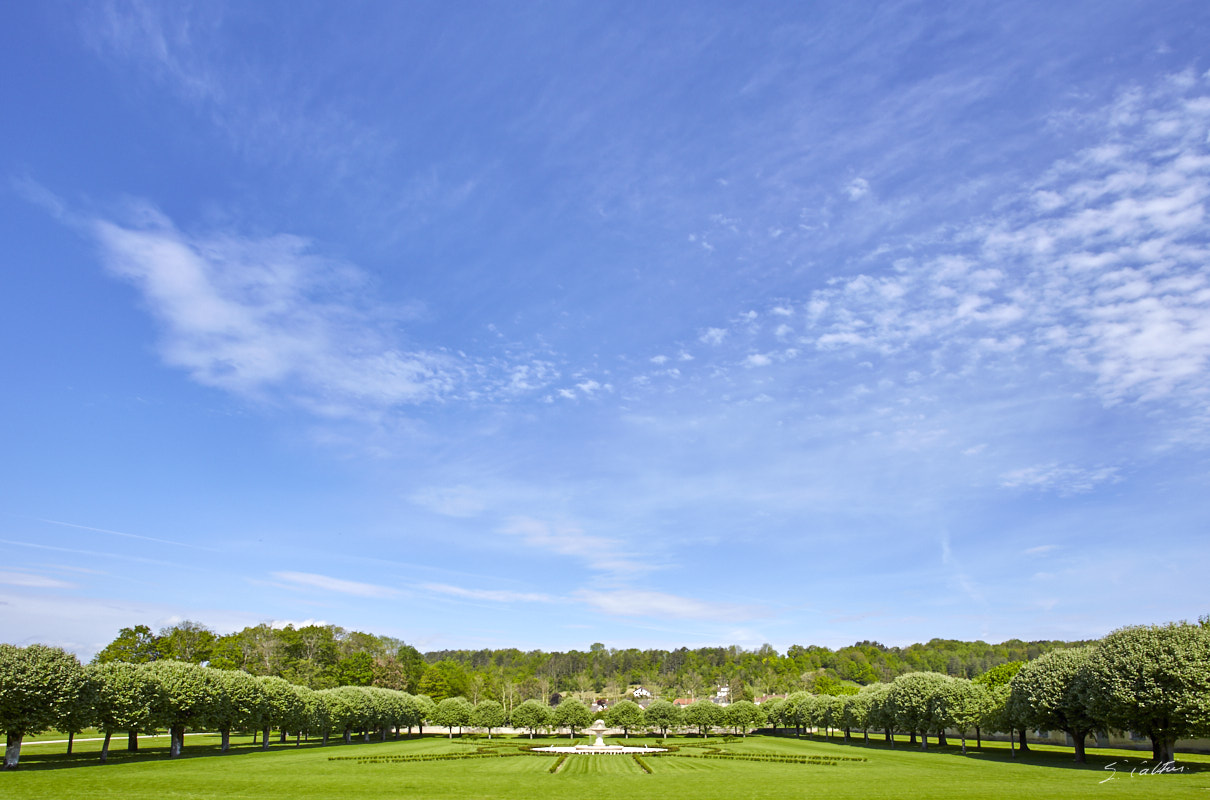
[[657, 605], [600, 553], [258, 316], [713, 336], [1040, 549], [1100, 265], [1063, 479], [328, 584], [491, 595], [33, 581], [757, 360], [857, 188]]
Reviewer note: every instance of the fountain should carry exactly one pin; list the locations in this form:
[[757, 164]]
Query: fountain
[[599, 745]]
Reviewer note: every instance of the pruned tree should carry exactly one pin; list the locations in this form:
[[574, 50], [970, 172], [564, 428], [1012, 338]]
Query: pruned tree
[[127, 699], [530, 715], [625, 714], [190, 696], [1154, 679], [283, 708], [775, 711], [961, 704], [663, 715], [911, 696], [1053, 693], [38, 684], [245, 707], [703, 715], [453, 712], [742, 716], [488, 714], [572, 714]]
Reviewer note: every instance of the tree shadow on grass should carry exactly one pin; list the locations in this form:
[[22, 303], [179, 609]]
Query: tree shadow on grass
[[147, 752]]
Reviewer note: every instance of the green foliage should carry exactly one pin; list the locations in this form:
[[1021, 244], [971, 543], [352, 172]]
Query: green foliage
[[189, 696], [1154, 679], [488, 714], [354, 670], [531, 715], [1052, 693], [452, 712], [186, 641], [911, 696], [703, 715], [1000, 675], [663, 715], [137, 645], [625, 714], [742, 716], [39, 686], [572, 714]]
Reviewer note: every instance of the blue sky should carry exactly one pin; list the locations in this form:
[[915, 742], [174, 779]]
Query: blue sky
[[537, 325]]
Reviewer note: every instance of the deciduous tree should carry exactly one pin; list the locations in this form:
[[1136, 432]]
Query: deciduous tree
[[624, 714], [1053, 692], [127, 699], [1154, 679], [530, 715], [488, 714], [572, 714], [38, 684]]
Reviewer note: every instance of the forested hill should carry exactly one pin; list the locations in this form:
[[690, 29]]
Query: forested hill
[[321, 656]]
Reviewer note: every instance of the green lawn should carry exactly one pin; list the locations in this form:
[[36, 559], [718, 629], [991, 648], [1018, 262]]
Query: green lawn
[[699, 769]]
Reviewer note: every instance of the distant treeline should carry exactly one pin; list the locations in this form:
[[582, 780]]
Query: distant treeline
[[324, 656]]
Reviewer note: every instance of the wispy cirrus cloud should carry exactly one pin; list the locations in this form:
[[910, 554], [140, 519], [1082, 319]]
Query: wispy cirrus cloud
[[657, 605], [601, 554], [1063, 479], [1101, 263], [490, 595], [311, 580], [268, 317], [33, 580]]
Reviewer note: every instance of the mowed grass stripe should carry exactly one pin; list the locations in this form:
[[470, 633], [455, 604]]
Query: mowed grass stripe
[[611, 765]]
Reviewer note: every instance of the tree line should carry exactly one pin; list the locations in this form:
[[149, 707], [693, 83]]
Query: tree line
[[1154, 680], [325, 656]]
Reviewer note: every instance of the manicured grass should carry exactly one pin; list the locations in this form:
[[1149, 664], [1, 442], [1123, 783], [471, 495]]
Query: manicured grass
[[700, 769]]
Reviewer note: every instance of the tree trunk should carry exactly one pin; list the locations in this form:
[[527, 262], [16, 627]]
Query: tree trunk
[[924, 740], [1077, 739], [105, 747], [865, 734], [132, 741], [1163, 749], [1012, 744], [964, 743], [348, 736], [978, 738], [384, 735], [325, 740], [1024, 744], [226, 733], [912, 737], [941, 740], [264, 739], [890, 737], [846, 735], [283, 736], [298, 738], [176, 740], [12, 750]]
